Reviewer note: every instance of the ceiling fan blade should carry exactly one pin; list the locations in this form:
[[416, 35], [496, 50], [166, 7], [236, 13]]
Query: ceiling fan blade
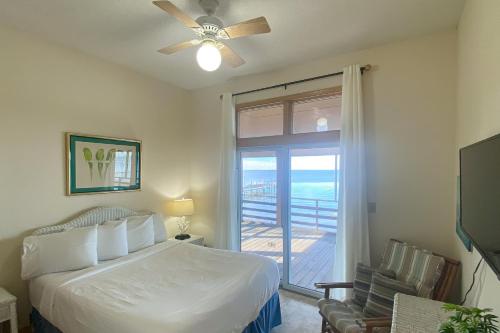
[[231, 57], [177, 13], [254, 26], [179, 46]]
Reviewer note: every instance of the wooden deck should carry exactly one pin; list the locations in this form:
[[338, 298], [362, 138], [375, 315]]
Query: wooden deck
[[312, 251]]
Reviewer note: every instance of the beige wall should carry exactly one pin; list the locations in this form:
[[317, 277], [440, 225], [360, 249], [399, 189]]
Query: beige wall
[[478, 104], [410, 122], [46, 90]]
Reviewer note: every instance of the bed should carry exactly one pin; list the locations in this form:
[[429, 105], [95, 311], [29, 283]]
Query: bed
[[170, 287]]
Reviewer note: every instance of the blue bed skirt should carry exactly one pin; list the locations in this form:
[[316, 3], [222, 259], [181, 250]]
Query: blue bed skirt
[[269, 317]]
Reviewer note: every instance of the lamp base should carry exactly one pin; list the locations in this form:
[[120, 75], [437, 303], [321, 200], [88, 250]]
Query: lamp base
[[182, 236]]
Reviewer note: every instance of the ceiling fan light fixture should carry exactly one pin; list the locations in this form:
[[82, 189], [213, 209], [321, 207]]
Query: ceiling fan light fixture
[[208, 56], [212, 33]]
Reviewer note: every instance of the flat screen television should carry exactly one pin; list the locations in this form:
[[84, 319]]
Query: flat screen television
[[480, 198]]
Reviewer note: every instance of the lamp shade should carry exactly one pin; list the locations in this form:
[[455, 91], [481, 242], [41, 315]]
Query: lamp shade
[[181, 207]]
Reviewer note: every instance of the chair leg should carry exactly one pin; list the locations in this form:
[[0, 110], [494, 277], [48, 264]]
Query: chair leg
[[323, 326]]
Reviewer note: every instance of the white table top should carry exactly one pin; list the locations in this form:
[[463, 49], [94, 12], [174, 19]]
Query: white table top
[[6, 297], [417, 315]]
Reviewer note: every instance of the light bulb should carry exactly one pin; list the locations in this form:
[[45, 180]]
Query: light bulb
[[208, 57]]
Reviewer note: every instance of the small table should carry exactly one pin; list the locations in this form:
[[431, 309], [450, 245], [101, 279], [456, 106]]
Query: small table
[[194, 239], [413, 314], [8, 310]]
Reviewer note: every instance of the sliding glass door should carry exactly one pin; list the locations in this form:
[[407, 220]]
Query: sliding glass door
[[288, 210], [288, 184]]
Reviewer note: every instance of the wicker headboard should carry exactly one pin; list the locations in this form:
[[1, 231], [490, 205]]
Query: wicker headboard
[[91, 217]]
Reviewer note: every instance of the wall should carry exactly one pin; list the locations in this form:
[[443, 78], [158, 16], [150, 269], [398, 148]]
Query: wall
[[46, 90], [410, 98], [478, 101]]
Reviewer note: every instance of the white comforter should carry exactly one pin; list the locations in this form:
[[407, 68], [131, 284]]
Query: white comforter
[[171, 287]]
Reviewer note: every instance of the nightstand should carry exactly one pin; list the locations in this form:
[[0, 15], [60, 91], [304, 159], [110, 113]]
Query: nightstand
[[195, 239], [8, 310]]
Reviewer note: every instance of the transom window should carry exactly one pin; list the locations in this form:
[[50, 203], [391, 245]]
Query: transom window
[[295, 119]]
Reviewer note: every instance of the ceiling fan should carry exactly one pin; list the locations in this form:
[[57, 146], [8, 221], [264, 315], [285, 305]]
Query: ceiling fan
[[211, 34]]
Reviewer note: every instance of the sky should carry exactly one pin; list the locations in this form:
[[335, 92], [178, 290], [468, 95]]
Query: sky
[[324, 162]]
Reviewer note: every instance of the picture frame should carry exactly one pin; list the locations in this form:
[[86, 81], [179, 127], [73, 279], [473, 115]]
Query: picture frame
[[101, 164]]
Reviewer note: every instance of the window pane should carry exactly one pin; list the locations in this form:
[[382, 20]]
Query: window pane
[[317, 115], [313, 202], [261, 224], [261, 121]]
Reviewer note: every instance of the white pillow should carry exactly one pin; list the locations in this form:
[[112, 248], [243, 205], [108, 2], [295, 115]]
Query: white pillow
[[140, 232], [160, 231], [112, 240], [58, 252]]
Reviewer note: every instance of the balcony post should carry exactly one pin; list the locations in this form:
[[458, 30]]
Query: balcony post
[[316, 218]]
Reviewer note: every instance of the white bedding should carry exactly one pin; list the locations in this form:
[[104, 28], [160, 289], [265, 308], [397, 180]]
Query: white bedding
[[172, 287]]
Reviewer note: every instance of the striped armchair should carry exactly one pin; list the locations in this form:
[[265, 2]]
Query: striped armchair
[[404, 268]]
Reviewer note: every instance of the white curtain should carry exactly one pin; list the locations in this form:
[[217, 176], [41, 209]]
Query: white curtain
[[352, 242], [226, 231]]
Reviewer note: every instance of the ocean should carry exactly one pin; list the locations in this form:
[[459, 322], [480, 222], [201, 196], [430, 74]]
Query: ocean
[[309, 188], [314, 184]]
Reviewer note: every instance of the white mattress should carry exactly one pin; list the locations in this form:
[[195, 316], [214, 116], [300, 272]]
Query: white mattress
[[170, 287]]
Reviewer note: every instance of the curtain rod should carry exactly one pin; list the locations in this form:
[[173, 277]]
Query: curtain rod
[[286, 84]]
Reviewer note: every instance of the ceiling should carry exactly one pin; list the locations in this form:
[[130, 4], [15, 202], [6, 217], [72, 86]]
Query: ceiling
[[129, 32]]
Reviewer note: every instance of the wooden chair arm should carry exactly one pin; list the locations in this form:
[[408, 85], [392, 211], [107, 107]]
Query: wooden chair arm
[[371, 323], [333, 285]]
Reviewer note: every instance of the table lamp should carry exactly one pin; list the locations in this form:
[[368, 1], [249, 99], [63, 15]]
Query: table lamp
[[181, 208]]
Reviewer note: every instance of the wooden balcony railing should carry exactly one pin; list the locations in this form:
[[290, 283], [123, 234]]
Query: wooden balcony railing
[[306, 212]]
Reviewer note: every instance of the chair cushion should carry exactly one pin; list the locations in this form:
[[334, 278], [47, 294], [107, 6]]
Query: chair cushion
[[381, 296], [397, 257], [346, 316], [413, 265], [424, 272], [362, 282]]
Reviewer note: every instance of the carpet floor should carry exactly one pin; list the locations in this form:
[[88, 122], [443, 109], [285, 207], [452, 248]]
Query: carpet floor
[[299, 314]]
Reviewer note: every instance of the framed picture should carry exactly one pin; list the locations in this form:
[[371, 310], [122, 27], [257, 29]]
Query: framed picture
[[97, 164]]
